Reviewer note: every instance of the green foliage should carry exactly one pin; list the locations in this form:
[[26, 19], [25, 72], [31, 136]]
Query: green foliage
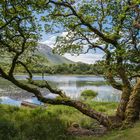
[[106, 107], [76, 68], [89, 94], [20, 32], [7, 130], [110, 22], [25, 124], [41, 124]]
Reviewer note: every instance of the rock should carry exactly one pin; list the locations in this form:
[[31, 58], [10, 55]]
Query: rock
[[100, 131], [76, 130], [79, 131], [75, 125]]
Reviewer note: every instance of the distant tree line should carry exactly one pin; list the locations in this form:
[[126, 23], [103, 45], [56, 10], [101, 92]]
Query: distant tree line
[[76, 68]]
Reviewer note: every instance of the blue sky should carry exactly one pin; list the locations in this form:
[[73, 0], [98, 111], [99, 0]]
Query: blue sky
[[49, 39]]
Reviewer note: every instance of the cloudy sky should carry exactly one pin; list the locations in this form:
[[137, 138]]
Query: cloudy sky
[[89, 57]]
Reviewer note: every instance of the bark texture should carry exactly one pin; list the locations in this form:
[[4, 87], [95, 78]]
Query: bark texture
[[123, 103], [133, 107], [126, 89]]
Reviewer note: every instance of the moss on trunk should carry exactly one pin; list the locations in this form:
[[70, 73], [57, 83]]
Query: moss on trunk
[[133, 107], [123, 103]]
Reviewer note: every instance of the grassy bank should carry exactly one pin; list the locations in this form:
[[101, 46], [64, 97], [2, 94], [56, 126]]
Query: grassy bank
[[51, 123]]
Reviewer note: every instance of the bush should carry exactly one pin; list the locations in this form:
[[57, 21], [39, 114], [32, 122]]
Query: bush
[[89, 94], [7, 130], [46, 124], [102, 109]]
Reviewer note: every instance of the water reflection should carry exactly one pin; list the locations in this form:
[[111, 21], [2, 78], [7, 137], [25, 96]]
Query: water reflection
[[105, 92], [9, 101], [74, 85]]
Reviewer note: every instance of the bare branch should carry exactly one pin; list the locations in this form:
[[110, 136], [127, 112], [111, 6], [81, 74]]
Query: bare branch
[[47, 86], [113, 82], [11, 71], [62, 15]]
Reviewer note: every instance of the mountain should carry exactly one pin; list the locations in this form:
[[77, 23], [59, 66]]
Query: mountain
[[53, 59]]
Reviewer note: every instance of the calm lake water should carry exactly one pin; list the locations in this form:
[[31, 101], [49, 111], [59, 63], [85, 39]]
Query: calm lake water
[[71, 85]]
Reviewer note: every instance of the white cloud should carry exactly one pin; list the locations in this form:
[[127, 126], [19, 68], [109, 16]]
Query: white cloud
[[86, 58], [50, 41]]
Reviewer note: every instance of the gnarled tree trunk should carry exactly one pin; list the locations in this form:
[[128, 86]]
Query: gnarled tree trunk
[[133, 107], [126, 89], [123, 103]]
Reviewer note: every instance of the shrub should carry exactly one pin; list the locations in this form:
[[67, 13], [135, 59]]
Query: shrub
[[89, 94], [7, 130]]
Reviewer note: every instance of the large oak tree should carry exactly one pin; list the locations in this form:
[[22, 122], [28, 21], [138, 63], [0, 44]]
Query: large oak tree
[[110, 26]]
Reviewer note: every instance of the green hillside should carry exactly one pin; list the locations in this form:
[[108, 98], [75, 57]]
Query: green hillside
[[46, 56], [52, 58]]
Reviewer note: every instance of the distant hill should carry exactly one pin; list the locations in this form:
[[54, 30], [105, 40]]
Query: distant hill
[[53, 59], [44, 51]]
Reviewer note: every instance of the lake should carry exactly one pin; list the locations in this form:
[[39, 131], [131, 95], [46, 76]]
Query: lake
[[72, 85]]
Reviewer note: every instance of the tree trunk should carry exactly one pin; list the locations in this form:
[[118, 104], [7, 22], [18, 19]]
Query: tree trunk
[[123, 103], [133, 107], [126, 90]]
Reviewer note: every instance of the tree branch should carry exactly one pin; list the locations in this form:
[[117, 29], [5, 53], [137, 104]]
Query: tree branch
[[63, 15], [85, 109], [113, 82], [134, 76], [96, 31], [41, 85], [92, 45], [8, 22], [110, 77], [26, 68]]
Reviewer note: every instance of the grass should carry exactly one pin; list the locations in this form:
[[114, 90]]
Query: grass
[[128, 134], [51, 123]]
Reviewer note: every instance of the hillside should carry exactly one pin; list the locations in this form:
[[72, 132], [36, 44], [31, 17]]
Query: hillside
[[53, 59], [44, 51]]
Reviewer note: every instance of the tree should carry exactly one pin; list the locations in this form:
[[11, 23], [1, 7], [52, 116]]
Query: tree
[[104, 24], [109, 26]]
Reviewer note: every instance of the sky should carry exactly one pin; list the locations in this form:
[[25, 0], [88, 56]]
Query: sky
[[91, 57], [50, 39]]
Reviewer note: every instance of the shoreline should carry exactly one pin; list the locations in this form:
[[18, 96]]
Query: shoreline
[[46, 74]]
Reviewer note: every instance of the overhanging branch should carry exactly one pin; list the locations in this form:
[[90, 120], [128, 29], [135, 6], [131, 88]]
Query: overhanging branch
[[113, 82], [8, 22], [96, 31], [45, 84], [85, 109]]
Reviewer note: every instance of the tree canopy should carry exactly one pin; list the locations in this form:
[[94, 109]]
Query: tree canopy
[[109, 26]]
